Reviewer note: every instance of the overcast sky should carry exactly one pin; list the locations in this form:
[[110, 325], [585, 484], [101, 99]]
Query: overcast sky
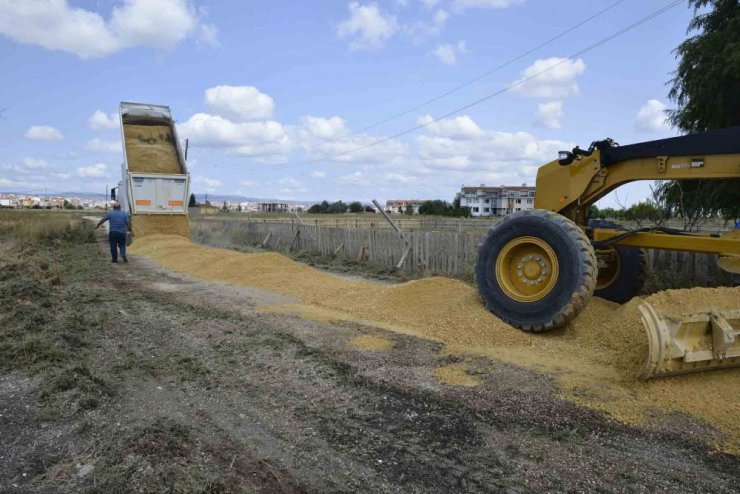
[[268, 91]]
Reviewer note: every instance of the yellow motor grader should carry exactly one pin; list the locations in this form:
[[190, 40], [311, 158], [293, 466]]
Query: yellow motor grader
[[538, 269]]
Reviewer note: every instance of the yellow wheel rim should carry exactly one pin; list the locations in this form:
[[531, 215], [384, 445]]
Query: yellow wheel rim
[[610, 264], [527, 269]]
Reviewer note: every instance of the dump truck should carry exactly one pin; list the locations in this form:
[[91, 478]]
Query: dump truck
[[538, 269], [154, 174]]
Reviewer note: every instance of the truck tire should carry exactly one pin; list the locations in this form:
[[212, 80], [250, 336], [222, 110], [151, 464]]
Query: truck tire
[[623, 279], [536, 270]]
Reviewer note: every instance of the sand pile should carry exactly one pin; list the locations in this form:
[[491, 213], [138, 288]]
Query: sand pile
[[150, 149], [150, 224], [457, 375], [595, 359]]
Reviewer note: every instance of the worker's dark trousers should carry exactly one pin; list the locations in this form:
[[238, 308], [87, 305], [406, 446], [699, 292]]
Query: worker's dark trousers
[[117, 241]]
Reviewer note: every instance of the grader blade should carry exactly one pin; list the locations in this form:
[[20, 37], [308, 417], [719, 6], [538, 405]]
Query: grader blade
[[692, 343], [729, 263]]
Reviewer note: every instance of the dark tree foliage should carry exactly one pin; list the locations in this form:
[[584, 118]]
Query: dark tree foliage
[[437, 207], [706, 89], [192, 202], [443, 208], [326, 208], [695, 200], [644, 212], [356, 207]]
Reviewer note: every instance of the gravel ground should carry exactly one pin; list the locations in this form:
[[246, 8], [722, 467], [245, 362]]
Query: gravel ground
[[212, 396]]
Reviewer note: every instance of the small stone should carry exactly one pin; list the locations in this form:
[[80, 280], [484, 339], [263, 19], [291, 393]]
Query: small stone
[[85, 470]]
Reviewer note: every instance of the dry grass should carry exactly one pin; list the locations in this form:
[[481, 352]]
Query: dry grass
[[43, 226]]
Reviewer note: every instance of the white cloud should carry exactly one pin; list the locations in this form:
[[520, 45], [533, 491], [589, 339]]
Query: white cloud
[[651, 117], [97, 170], [399, 178], [101, 121], [210, 184], [462, 127], [56, 25], [101, 146], [486, 4], [43, 133], [420, 31], [317, 174], [461, 145], [160, 24], [248, 183], [265, 138], [320, 137], [549, 114], [34, 164], [367, 27], [239, 103], [430, 3], [550, 78], [4, 182], [356, 178], [448, 53], [209, 35]]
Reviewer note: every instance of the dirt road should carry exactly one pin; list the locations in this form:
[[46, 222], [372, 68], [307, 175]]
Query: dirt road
[[210, 395]]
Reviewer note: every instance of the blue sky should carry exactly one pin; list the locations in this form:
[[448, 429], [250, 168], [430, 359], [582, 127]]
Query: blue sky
[[268, 91]]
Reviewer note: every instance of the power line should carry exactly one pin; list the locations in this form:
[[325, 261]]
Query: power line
[[475, 79], [494, 94], [481, 76]]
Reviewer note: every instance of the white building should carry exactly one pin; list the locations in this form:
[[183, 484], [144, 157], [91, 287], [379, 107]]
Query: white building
[[401, 205], [497, 201]]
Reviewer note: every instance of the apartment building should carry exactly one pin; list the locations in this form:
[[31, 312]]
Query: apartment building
[[401, 205], [496, 201]]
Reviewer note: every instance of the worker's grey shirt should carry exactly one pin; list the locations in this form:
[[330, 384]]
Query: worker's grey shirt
[[117, 221]]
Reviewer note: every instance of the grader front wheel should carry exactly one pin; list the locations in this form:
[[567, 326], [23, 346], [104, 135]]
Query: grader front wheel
[[536, 270]]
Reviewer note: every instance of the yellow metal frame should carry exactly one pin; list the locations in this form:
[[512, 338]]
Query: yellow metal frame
[[691, 243], [570, 190]]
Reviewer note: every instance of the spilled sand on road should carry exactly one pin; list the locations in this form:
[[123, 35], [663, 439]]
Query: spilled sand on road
[[149, 224], [371, 342], [594, 360], [457, 375]]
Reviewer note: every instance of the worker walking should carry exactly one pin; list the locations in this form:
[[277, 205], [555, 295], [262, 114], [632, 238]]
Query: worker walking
[[118, 225]]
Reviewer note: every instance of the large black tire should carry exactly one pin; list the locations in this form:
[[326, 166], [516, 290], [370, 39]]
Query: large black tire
[[573, 286], [628, 282]]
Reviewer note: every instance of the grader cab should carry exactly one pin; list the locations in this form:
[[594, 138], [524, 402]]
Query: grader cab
[[538, 269]]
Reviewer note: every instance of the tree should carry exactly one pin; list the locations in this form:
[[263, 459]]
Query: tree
[[409, 210], [436, 207], [225, 207], [192, 202], [356, 207], [642, 212], [319, 208], [706, 89], [369, 209], [337, 208]]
